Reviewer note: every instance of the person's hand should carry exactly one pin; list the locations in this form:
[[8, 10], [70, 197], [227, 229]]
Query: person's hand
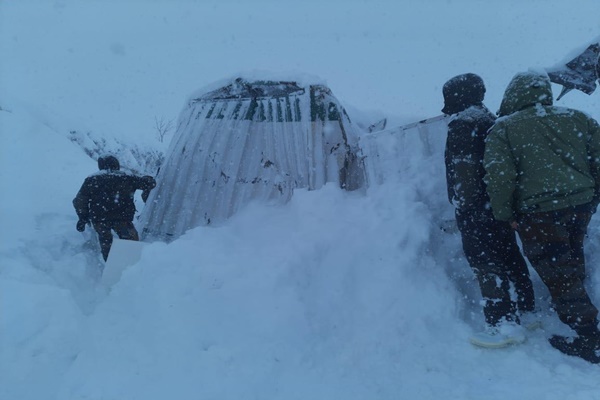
[[81, 225], [149, 181]]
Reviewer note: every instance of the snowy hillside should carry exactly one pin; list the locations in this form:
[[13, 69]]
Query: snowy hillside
[[333, 295]]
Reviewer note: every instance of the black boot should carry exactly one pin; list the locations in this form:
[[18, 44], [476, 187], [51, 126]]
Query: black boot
[[585, 347]]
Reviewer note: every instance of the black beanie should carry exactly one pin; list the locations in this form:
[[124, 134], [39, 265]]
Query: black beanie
[[108, 163], [462, 92]]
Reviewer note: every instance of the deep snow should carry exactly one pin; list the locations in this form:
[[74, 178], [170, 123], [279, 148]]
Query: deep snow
[[334, 295]]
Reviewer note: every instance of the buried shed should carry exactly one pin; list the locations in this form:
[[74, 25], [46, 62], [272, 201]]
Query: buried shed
[[250, 141]]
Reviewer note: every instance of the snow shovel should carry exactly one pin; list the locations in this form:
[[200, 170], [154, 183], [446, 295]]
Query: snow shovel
[[123, 253]]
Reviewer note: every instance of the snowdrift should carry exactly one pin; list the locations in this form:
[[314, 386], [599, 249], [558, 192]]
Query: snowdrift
[[335, 294]]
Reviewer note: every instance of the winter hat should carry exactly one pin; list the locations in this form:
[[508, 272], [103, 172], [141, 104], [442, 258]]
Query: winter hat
[[524, 90], [462, 92], [108, 163]]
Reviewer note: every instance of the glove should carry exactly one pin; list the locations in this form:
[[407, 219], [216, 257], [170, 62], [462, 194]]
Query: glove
[[81, 225], [149, 182]]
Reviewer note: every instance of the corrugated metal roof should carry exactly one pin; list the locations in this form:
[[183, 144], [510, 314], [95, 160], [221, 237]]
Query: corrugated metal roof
[[250, 142]]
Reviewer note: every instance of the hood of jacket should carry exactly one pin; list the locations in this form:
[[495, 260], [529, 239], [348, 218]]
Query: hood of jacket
[[524, 90]]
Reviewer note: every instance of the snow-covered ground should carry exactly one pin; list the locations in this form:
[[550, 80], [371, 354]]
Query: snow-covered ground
[[334, 295]]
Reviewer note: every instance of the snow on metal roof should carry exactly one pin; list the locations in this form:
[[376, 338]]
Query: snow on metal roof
[[403, 155], [250, 141], [394, 153]]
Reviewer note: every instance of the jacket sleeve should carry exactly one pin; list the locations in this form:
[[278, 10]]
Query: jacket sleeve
[[81, 202], [501, 174], [594, 155], [463, 163], [145, 184]]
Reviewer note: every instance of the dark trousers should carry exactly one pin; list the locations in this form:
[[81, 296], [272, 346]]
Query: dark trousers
[[123, 229], [553, 243], [494, 256]]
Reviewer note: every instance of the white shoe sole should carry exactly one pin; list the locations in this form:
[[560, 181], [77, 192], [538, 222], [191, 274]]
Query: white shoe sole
[[495, 342]]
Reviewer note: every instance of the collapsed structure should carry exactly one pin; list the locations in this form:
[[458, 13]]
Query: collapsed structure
[[250, 141], [580, 73]]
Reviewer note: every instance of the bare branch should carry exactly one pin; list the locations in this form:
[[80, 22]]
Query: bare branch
[[163, 127]]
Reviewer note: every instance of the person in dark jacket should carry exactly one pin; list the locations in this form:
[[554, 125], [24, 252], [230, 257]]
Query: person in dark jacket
[[106, 201], [489, 245], [543, 177]]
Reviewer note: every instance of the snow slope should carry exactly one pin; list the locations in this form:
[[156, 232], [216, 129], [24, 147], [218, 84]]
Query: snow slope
[[335, 294]]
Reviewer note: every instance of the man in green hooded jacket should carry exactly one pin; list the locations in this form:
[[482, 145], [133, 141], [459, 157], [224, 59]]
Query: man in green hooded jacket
[[543, 176]]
